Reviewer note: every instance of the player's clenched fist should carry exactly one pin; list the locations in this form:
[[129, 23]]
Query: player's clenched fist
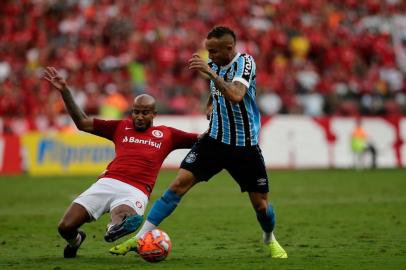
[[198, 64]]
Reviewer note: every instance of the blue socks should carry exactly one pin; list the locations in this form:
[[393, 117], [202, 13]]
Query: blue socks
[[163, 207], [267, 221]]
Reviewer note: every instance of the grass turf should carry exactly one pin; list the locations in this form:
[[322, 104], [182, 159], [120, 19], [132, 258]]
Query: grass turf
[[333, 219]]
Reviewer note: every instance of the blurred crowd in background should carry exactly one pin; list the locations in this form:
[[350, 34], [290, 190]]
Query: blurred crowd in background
[[314, 57]]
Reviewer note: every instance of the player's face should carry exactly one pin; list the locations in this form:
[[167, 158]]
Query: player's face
[[221, 50], [142, 116]]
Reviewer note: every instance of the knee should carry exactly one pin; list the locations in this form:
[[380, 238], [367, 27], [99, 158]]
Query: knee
[[119, 213], [260, 207], [178, 187], [181, 185], [65, 227]]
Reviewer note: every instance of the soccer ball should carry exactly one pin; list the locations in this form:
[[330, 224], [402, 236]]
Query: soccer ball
[[154, 246]]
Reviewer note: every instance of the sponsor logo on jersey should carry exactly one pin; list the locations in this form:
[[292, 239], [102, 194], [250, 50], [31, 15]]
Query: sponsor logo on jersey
[[157, 133], [128, 139], [214, 90], [247, 66], [191, 157]]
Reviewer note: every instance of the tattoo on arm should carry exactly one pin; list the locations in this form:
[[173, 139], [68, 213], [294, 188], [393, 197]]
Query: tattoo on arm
[[239, 89], [74, 111], [220, 84], [231, 91]]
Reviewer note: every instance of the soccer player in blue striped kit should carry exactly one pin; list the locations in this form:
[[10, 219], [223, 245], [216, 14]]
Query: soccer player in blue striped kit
[[231, 142]]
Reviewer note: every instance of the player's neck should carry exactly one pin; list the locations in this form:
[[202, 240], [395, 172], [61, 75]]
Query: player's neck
[[233, 57]]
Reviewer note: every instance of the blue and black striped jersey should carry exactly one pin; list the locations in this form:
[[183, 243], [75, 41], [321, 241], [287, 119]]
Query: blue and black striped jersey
[[235, 124]]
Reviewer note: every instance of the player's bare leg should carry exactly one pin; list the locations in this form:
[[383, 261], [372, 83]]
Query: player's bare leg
[[124, 220], [164, 206], [75, 216], [266, 218], [161, 209]]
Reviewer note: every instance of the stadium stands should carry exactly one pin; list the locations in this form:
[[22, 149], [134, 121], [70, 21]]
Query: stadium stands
[[314, 57]]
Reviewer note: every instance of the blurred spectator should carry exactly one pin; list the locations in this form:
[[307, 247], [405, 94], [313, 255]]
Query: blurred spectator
[[269, 103], [114, 105], [312, 103], [360, 145]]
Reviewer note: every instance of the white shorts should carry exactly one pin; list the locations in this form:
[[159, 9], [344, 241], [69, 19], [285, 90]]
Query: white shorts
[[108, 193]]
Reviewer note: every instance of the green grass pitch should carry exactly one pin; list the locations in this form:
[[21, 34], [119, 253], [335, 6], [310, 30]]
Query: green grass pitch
[[332, 219]]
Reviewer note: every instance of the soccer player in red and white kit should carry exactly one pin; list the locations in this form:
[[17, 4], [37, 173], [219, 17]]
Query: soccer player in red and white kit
[[124, 187]]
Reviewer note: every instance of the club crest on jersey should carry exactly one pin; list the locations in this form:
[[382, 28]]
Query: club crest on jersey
[[157, 133], [191, 157], [138, 204]]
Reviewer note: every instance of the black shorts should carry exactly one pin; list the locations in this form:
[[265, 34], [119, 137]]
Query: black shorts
[[245, 163]]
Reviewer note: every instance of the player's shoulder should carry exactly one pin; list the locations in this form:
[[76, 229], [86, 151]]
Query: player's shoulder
[[164, 132], [246, 57], [107, 123], [125, 123], [164, 128], [160, 127], [122, 124], [168, 131]]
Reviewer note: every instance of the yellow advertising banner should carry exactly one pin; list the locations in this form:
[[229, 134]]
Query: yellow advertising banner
[[66, 154]]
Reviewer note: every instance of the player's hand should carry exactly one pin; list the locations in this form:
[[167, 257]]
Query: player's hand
[[52, 76], [198, 64]]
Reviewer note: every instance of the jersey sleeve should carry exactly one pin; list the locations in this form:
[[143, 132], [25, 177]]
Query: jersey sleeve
[[105, 128], [245, 70], [181, 139]]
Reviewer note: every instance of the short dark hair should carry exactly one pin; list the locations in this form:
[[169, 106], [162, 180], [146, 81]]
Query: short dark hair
[[220, 31]]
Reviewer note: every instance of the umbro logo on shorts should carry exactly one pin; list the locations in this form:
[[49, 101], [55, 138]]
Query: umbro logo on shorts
[[261, 182]]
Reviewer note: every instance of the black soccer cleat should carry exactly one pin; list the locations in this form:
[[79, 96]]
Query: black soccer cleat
[[127, 226], [70, 251]]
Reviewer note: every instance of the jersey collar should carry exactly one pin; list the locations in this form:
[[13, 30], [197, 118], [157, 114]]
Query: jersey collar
[[232, 61]]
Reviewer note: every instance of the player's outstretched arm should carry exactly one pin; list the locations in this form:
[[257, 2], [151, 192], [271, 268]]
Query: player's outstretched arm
[[81, 120], [233, 91]]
